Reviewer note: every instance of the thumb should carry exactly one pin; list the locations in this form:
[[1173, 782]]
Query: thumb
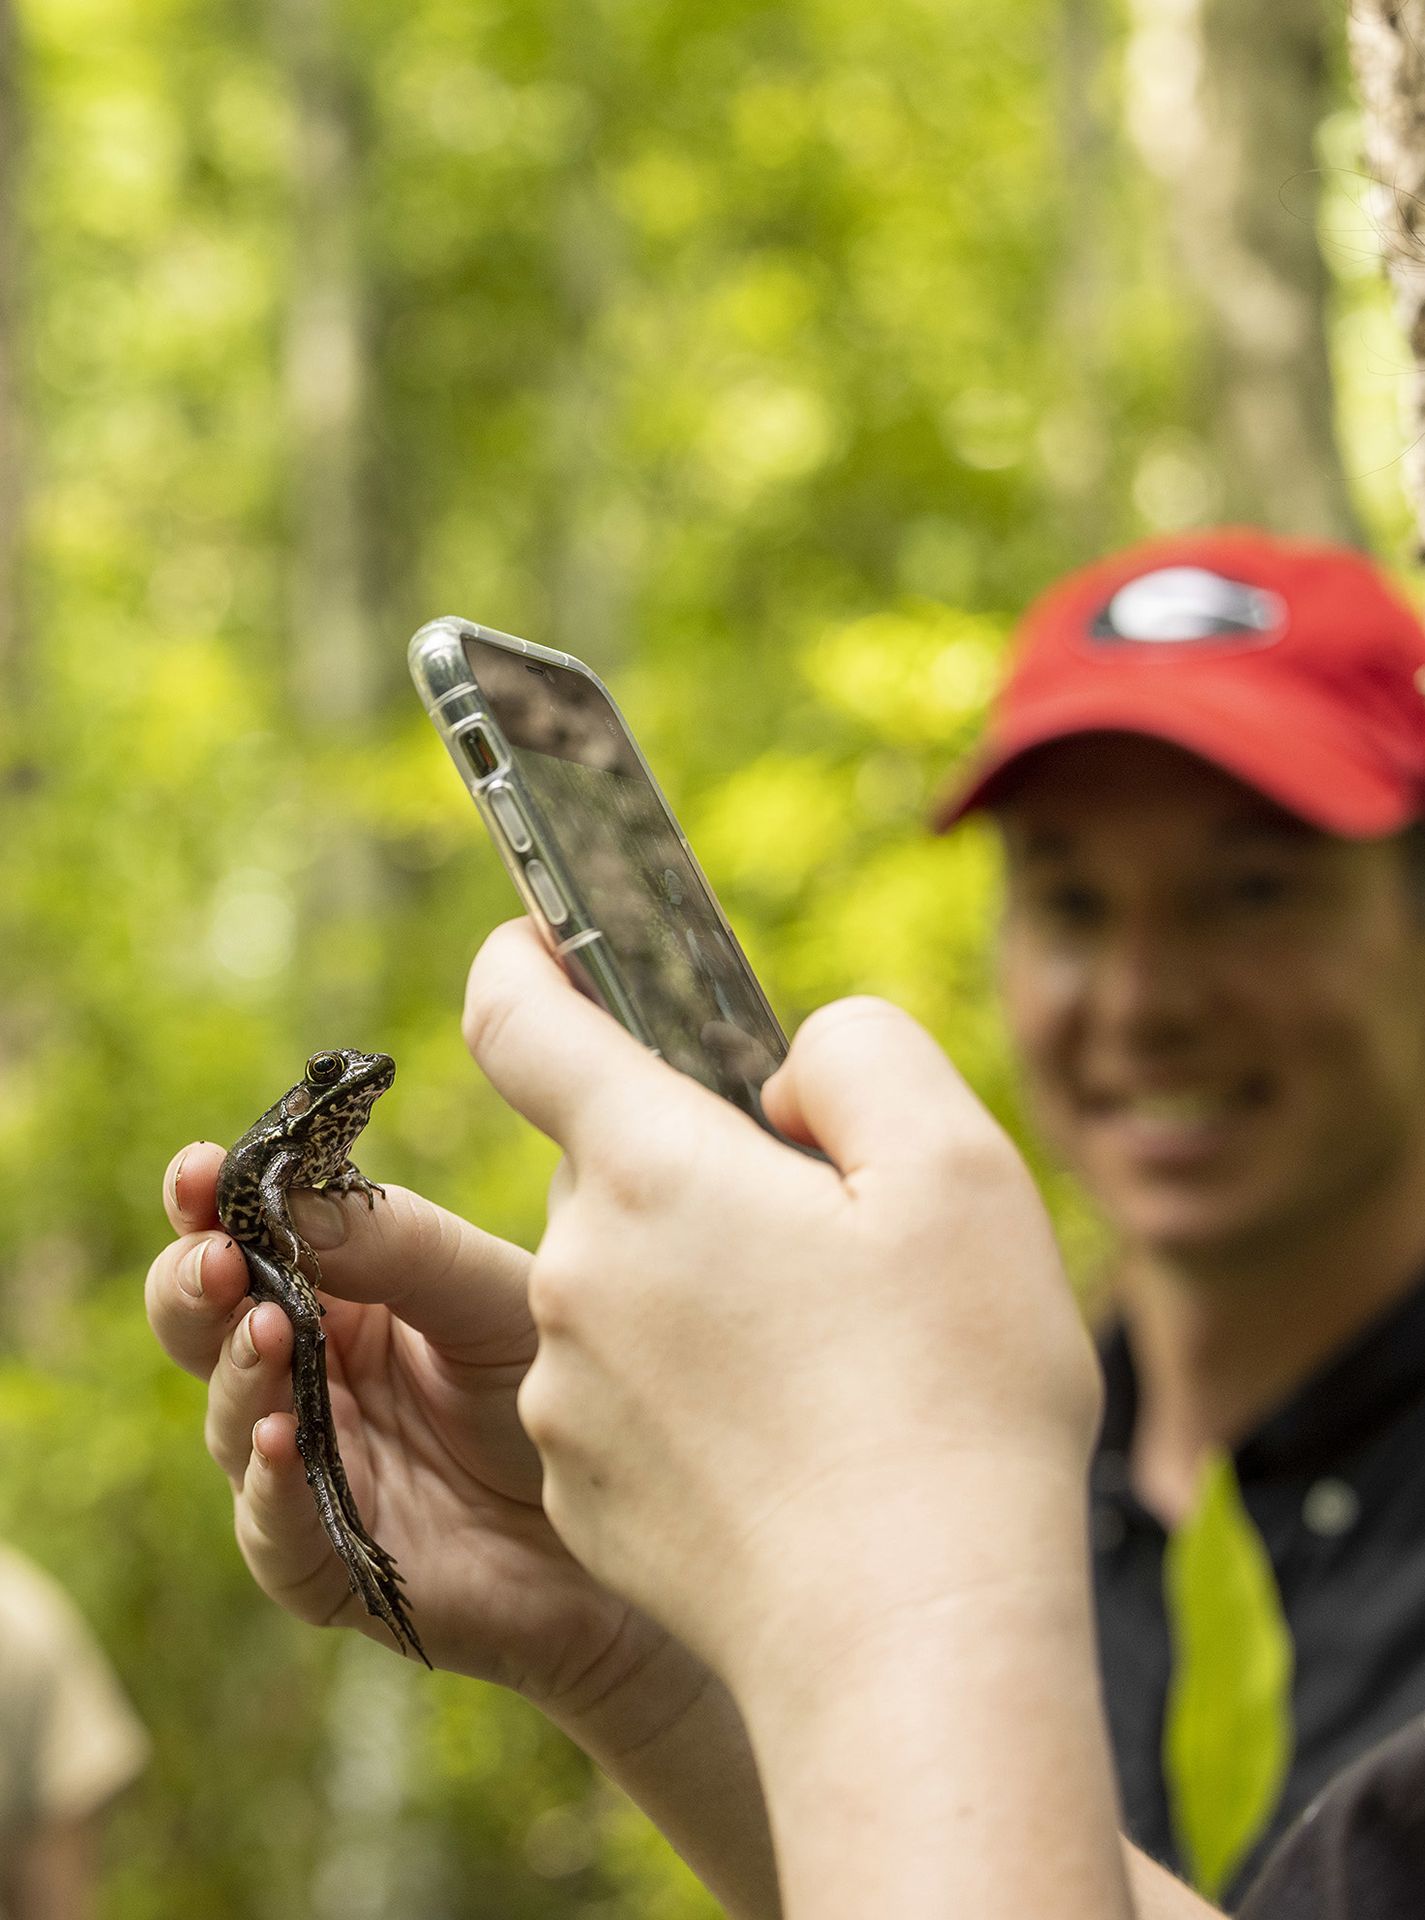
[[867, 1085]]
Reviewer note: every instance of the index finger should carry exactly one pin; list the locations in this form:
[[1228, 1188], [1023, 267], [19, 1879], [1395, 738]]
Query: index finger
[[554, 1056]]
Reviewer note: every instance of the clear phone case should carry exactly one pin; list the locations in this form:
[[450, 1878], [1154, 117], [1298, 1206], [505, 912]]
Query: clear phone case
[[733, 1040]]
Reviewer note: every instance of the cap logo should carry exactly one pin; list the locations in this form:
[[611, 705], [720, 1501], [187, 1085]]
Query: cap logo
[[1189, 607]]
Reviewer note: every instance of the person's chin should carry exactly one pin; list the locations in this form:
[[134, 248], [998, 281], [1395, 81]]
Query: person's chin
[[1190, 1225], [1186, 1189]]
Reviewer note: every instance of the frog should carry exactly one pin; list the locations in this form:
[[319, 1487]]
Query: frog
[[305, 1140]]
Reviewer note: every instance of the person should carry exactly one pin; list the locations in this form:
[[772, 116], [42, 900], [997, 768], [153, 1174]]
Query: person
[[70, 1743], [1208, 773]]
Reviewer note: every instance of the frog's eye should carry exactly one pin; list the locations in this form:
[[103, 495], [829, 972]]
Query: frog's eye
[[323, 1068]]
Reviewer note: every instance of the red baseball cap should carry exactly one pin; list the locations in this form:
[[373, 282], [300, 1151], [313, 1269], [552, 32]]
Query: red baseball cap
[[1292, 666]]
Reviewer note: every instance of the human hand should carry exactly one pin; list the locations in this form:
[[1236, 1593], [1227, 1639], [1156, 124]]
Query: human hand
[[428, 1338], [777, 1400]]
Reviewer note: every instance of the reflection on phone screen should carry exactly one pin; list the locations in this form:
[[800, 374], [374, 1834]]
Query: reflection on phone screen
[[691, 985]]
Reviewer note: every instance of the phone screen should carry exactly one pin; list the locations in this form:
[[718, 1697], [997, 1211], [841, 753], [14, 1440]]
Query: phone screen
[[690, 983]]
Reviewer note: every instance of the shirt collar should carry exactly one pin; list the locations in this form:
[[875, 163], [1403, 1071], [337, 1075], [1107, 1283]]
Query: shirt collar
[[1350, 1398]]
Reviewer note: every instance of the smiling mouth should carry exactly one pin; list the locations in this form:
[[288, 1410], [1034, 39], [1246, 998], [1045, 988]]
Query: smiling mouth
[[1182, 1110]]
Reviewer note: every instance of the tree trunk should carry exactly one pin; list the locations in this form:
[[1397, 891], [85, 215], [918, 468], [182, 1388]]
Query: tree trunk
[[1076, 440], [1387, 39], [336, 655], [587, 581], [12, 491], [374, 1861], [333, 663], [1225, 97]]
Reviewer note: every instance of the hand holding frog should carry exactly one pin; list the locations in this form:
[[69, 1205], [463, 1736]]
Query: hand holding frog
[[428, 1338]]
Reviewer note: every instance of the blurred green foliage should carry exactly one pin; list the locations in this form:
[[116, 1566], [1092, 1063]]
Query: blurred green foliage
[[723, 346]]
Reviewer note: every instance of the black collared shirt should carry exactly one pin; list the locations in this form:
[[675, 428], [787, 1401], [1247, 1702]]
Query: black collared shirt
[[1335, 1483]]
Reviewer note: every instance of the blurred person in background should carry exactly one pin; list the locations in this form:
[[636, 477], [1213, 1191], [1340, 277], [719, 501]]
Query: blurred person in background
[[70, 1742], [1208, 772]]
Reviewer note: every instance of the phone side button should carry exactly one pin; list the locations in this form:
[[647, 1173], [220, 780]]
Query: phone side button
[[545, 889], [506, 810]]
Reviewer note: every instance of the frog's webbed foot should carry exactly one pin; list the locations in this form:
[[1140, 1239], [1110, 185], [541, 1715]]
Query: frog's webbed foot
[[350, 1179], [370, 1570]]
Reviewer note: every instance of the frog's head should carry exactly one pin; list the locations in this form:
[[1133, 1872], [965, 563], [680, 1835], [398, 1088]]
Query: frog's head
[[340, 1087]]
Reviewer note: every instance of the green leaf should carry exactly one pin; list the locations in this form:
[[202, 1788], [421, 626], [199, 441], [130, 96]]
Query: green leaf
[[1228, 1737]]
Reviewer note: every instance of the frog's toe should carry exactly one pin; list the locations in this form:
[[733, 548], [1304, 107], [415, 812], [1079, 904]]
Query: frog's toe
[[305, 1258]]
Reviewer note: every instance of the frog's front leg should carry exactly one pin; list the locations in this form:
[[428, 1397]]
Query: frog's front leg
[[349, 1178], [286, 1242]]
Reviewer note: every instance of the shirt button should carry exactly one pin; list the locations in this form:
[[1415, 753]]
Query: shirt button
[[1331, 1508], [1109, 1529]]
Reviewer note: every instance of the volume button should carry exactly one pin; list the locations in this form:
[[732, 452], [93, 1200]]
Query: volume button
[[506, 810], [545, 889]]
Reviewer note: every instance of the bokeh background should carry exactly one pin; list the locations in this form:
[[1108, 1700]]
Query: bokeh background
[[769, 358]]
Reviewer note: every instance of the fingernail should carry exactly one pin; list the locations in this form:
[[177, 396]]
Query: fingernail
[[321, 1222], [190, 1271], [257, 1445], [244, 1346], [173, 1184]]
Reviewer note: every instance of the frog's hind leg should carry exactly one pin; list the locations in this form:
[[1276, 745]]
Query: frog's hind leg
[[345, 1499], [370, 1570]]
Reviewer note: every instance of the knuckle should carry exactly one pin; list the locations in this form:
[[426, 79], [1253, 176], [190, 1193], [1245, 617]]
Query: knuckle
[[553, 1292], [537, 1406], [220, 1449], [835, 1015], [188, 1327], [225, 1447], [158, 1288], [968, 1148]]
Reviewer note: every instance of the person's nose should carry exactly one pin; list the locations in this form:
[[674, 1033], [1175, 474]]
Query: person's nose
[[1147, 979]]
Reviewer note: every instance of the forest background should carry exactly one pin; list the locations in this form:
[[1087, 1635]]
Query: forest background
[[768, 357]]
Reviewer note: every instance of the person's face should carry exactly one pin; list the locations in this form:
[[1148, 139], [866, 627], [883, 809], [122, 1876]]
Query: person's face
[[1220, 1012]]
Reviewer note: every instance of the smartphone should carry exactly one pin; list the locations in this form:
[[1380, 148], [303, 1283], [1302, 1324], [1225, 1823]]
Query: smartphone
[[600, 862]]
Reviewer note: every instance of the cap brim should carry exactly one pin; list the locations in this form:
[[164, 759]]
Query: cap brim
[[1308, 764]]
